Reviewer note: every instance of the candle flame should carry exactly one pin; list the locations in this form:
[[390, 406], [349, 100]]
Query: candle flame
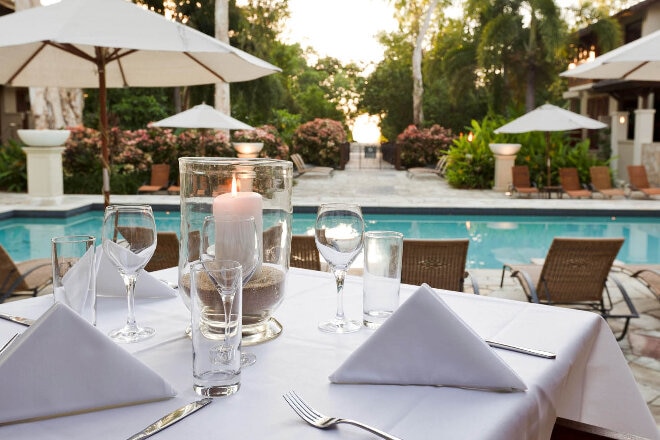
[[234, 191]]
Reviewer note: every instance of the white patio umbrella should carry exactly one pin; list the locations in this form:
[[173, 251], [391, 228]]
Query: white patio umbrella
[[549, 118], [203, 116], [113, 43], [638, 60]]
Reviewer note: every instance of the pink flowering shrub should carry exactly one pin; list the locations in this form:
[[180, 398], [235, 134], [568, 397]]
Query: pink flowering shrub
[[83, 151], [159, 144], [274, 146], [211, 143], [422, 147], [319, 141]]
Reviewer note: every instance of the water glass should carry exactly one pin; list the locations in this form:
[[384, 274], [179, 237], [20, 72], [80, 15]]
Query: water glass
[[216, 297], [74, 273], [383, 251]]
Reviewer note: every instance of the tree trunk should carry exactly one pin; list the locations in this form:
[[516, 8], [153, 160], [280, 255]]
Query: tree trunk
[[530, 98], [222, 102], [418, 83], [52, 107]]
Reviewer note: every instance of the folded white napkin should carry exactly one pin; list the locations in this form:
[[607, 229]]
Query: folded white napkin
[[426, 343], [63, 365], [110, 283], [76, 283]]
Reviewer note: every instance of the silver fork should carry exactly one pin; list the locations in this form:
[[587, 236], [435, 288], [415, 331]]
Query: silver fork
[[318, 420]]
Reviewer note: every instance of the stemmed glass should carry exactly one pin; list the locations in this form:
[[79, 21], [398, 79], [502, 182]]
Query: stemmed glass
[[339, 232], [232, 238], [129, 241]]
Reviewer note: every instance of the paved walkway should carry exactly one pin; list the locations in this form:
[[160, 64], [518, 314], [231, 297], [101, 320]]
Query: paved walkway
[[374, 186]]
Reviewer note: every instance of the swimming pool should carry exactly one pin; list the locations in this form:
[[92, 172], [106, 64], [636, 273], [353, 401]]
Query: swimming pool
[[493, 239]]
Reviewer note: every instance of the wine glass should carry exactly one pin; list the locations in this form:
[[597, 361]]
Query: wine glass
[[235, 238], [129, 241], [339, 232]]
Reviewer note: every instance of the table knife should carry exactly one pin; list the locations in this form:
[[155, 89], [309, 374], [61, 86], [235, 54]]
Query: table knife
[[171, 419], [17, 319], [524, 350]]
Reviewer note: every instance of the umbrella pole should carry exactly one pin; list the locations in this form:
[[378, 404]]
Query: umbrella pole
[[103, 116]]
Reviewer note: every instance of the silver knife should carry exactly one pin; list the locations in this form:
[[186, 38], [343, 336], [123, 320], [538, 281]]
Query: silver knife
[[171, 418], [529, 351], [18, 319]]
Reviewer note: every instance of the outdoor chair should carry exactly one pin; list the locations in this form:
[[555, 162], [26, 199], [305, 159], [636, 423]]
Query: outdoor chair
[[166, 254], [175, 189], [160, 177], [640, 182], [647, 274], [601, 182], [439, 169], [303, 168], [520, 181], [25, 278], [438, 263], [575, 273], [304, 253], [570, 183]]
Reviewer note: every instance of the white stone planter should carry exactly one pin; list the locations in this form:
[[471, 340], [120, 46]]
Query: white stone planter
[[44, 138], [248, 149], [504, 149], [505, 158]]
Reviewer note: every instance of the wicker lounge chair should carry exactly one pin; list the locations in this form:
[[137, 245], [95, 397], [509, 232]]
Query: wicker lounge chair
[[304, 253], [640, 182], [24, 278], [438, 263], [166, 254], [601, 182], [575, 273], [520, 181], [160, 178], [439, 169], [570, 183], [303, 168]]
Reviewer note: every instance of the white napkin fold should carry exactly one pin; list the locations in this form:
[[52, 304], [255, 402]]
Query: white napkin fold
[[426, 343], [76, 282], [110, 283], [63, 365]]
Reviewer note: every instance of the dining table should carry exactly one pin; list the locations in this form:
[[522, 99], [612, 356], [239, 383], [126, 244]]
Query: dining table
[[589, 380]]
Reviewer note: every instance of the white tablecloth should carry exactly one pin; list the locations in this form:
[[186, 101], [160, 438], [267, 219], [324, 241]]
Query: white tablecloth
[[589, 381]]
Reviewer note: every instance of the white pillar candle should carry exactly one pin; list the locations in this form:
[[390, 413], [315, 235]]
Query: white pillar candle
[[242, 205]]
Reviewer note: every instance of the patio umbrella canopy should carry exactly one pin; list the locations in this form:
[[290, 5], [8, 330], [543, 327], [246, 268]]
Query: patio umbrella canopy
[[638, 60], [549, 118], [203, 116], [114, 43]]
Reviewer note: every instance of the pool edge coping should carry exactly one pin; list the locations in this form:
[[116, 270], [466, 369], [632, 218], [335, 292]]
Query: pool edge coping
[[454, 210]]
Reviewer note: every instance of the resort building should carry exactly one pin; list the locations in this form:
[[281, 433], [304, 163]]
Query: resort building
[[629, 107]]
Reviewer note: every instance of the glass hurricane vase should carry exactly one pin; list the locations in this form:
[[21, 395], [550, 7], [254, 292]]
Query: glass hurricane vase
[[208, 182]]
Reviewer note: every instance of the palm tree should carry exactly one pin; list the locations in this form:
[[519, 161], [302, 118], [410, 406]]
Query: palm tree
[[517, 43]]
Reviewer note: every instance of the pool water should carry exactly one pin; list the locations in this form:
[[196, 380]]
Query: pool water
[[494, 240]]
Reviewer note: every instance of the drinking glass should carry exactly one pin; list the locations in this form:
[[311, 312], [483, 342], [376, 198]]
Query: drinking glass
[[216, 287], [339, 232], [129, 241], [230, 237]]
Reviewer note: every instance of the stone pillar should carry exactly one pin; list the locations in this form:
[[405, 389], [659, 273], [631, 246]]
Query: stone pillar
[[44, 175], [643, 132], [619, 132]]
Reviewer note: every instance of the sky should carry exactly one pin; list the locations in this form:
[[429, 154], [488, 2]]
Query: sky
[[343, 29]]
